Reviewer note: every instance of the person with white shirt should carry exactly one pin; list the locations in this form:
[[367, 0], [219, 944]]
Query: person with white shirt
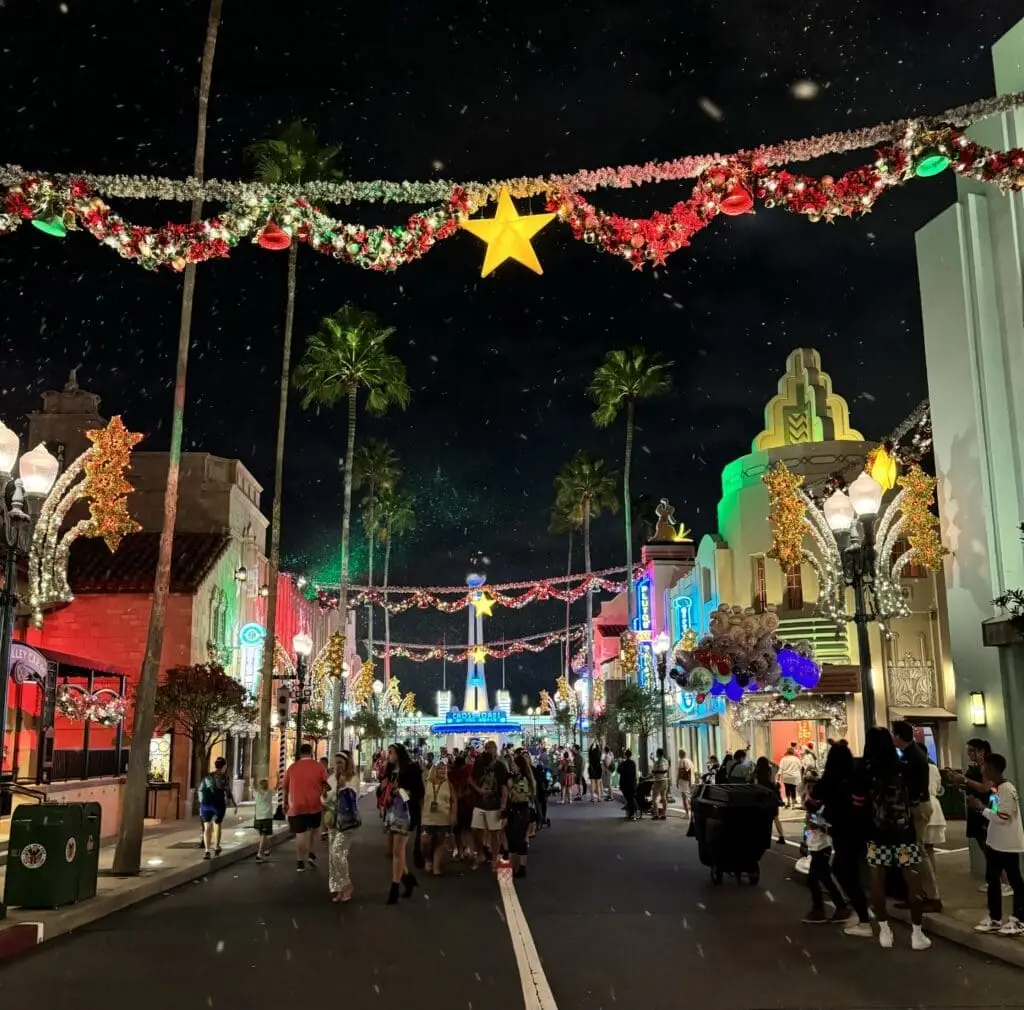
[[791, 773], [1003, 846]]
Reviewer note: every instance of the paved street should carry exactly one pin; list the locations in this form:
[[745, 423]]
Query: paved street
[[622, 916]]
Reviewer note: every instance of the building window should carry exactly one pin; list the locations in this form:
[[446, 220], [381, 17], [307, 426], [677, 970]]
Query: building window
[[760, 585], [912, 570], [705, 584], [794, 589]]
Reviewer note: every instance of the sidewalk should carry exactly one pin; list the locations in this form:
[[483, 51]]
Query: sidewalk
[[171, 856]]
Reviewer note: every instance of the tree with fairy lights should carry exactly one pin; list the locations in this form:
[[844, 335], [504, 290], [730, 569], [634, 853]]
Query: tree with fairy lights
[[128, 852], [619, 381], [347, 358], [294, 157]]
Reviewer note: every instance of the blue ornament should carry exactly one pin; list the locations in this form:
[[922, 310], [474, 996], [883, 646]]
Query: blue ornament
[[733, 691]]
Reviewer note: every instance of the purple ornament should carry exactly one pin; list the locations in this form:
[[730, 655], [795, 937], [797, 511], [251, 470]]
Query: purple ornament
[[733, 691], [717, 688], [788, 660]]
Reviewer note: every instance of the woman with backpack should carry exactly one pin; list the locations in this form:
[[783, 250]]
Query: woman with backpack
[[402, 795], [892, 844], [517, 813], [341, 816]]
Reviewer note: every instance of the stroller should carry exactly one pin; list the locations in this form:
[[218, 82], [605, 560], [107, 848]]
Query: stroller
[[644, 789]]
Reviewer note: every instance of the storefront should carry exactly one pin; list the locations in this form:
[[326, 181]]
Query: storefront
[[768, 726], [698, 730]]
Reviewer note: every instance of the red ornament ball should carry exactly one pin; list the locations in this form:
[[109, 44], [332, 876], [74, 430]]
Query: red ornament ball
[[274, 237], [737, 201]]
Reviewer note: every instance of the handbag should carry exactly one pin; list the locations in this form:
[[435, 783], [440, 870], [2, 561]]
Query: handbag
[[348, 817]]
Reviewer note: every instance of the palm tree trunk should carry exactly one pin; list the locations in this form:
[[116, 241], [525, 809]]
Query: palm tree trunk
[[627, 509], [387, 613], [590, 608], [370, 537], [346, 525], [568, 611], [274, 560], [128, 853]]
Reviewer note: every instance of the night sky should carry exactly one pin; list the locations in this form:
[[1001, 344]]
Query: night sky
[[498, 367]]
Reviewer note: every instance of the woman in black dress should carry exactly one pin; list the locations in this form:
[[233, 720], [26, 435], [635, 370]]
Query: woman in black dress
[[594, 771]]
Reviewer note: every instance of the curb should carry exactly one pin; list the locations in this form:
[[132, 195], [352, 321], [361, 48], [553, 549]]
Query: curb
[[17, 937], [998, 947]]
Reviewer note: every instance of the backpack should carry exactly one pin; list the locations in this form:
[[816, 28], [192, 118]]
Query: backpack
[[686, 771], [519, 789], [208, 792], [890, 808], [347, 817]]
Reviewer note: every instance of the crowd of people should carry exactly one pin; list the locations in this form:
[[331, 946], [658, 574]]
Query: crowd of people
[[482, 807]]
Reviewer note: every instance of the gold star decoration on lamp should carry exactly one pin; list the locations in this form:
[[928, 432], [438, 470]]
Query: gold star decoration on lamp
[[479, 654], [484, 604], [508, 235]]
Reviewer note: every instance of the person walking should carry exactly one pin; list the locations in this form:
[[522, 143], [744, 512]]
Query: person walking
[[404, 783], [577, 771], [440, 815], [214, 792], [627, 784], [684, 781], [791, 773], [490, 783], [607, 770], [819, 848], [341, 816], [594, 771], [892, 844], [304, 785], [516, 813], [566, 777], [917, 779], [765, 777], [1003, 847], [659, 789], [263, 818]]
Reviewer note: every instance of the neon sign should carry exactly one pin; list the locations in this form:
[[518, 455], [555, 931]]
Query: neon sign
[[495, 718], [252, 636], [643, 622]]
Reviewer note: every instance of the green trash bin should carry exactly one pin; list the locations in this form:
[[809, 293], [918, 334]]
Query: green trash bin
[[52, 855]]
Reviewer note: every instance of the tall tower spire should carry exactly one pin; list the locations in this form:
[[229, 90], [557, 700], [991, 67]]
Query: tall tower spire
[[476, 679]]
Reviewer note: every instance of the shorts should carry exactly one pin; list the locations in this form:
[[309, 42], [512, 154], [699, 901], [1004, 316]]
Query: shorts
[[435, 830], [264, 825], [486, 820], [214, 814], [298, 823], [898, 856]]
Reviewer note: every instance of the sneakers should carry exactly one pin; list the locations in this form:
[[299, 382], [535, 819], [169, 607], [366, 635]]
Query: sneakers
[[312, 860], [885, 937], [989, 925], [300, 866], [206, 854], [841, 914], [859, 929], [816, 915], [1013, 927], [1006, 889], [918, 941]]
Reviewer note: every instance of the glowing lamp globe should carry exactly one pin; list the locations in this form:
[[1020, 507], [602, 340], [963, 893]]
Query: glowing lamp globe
[[839, 512], [378, 687], [38, 471], [9, 445], [932, 162], [50, 226], [866, 495], [302, 644], [274, 237], [661, 644], [737, 201], [475, 579]]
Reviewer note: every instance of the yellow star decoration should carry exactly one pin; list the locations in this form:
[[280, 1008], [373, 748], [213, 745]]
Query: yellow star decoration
[[882, 468], [508, 235], [484, 604], [479, 654], [105, 485]]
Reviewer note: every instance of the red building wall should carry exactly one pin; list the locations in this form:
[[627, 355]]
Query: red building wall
[[294, 613]]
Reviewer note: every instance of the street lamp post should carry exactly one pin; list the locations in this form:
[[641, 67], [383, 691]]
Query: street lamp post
[[303, 646], [20, 501], [851, 517], [660, 646], [378, 690]]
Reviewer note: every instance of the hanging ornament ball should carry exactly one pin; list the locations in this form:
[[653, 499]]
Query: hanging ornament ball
[[743, 679], [701, 697], [274, 237], [787, 659], [701, 679], [723, 676], [733, 691], [737, 201], [717, 688], [788, 688], [50, 226], [932, 162], [680, 676]]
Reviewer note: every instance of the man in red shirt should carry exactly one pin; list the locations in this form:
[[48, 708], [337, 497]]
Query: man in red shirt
[[304, 784]]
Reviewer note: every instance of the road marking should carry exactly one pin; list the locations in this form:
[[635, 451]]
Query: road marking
[[537, 993]]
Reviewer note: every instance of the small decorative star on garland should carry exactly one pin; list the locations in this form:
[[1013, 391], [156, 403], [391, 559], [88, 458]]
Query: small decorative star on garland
[[508, 235]]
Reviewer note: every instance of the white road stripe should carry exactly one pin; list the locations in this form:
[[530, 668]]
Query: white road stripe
[[537, 993]]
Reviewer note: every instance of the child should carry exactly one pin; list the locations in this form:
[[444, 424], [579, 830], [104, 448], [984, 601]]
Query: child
[[263, 820], [1004, 844], [819, 848]]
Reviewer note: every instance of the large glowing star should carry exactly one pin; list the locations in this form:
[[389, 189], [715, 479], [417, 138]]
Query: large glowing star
[[508, 235], [484, 604], [479, 654]]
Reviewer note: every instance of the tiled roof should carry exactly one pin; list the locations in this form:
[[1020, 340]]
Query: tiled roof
[[608, 630], [132, 567]]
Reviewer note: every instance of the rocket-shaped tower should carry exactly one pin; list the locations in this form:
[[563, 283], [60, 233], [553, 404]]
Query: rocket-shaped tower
[[476, 679]]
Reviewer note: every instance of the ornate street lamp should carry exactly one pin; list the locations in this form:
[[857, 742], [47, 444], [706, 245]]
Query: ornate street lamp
[[302, 644]]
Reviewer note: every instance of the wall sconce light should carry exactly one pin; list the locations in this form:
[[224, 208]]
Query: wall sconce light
[[264, 590], [241, 573], [978, 716]]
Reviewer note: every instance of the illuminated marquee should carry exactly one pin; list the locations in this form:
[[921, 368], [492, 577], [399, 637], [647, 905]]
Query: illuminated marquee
[[478, 718], [250, 642], [495, 721], [643, 622]]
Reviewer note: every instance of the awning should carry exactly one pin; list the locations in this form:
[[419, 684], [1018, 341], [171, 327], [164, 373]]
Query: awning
[[702, 720], [920, 713], [66, 659]]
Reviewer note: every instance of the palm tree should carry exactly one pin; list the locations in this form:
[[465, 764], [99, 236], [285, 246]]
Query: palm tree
[[294, 157], [563, 521], [623, 378], [375, 470], [397, 517], [346, 356], [128, 853], [583, 490]]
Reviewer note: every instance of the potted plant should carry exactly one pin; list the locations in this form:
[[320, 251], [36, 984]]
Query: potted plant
[[1008, 627]]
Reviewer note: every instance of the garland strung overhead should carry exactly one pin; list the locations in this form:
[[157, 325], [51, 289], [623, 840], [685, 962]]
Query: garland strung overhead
[[728, 186], [137, 187], [479, 653]]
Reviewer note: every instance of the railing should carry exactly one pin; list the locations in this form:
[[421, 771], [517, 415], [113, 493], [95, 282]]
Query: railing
[[94, 764]]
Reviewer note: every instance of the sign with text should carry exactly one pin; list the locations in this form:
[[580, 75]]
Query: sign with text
[[455, 718], [642, 622]]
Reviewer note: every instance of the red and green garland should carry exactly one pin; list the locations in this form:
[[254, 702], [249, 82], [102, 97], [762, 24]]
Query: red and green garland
[[732, 186]]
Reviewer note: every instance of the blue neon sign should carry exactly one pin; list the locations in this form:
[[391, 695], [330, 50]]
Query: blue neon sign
[[643, 620]]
